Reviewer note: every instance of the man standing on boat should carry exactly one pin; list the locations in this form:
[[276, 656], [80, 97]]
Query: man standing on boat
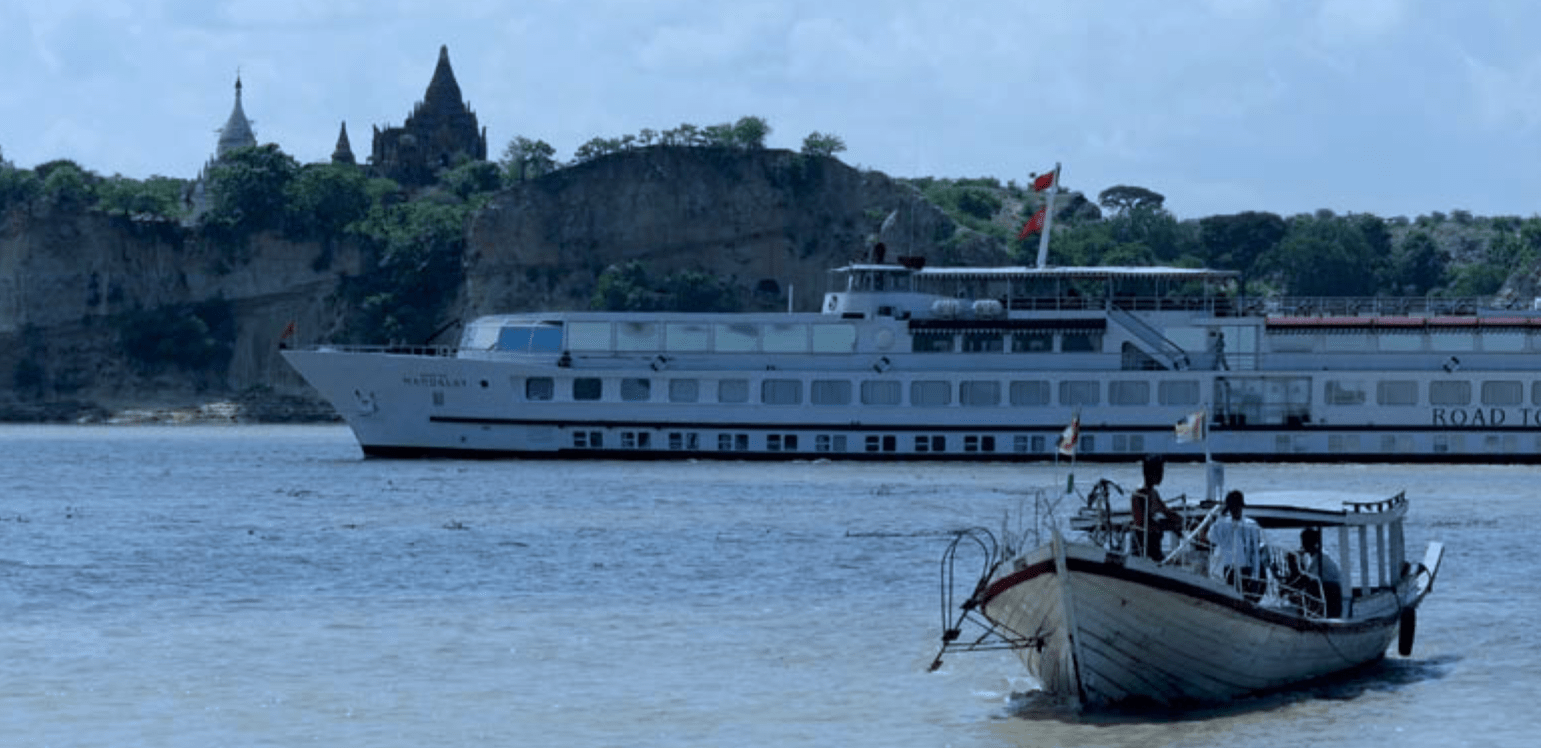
[[1321, 566], [1145, 504], [1238, 549]]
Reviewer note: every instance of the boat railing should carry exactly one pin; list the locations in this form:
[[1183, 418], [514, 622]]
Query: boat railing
[[1375, 306], [443, 351]]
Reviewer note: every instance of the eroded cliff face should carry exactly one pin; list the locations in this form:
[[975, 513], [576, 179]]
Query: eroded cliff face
[[770, 222], [70, 281]]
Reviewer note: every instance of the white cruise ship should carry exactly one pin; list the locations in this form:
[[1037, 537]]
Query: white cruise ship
[[910, 362]]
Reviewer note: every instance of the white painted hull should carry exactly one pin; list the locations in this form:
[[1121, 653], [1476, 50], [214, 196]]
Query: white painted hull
[[1128, 630]]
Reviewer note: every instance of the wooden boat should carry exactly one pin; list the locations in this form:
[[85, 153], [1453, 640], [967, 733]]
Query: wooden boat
[[1099, 626]]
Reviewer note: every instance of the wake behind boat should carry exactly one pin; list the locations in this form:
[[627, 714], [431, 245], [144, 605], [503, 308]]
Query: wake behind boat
[[1097, 624]]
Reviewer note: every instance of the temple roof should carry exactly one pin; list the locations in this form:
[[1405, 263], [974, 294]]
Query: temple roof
[[237, 132], [343, 153], [443, 91]]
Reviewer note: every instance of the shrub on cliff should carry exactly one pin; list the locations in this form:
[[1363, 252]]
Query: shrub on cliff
[[159, 197], [249, 190], [198, 337]]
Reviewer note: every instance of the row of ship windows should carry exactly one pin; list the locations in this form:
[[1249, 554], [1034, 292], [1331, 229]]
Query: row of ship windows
[[925, 393], [1023, 444], [1440, 392], [989, 393], [876, 443]]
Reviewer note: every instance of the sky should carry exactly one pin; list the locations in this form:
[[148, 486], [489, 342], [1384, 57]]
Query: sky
[[1390, 107]]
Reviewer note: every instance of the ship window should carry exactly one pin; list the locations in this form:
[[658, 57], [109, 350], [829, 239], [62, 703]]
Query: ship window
[[531, 339], [638, 336], [876, 443], [1346, 392], [687, 440], [786, 338], [1081, 342], [835, 338], [1450, 393], [539, 388], [830, 392], [979, 393], [733, 391], [636, 440], [588, 388], [983, 342], [589, 439], [636, 390], [438, 397], [781, 392], [1029, 393], [736, 338], [686, 336], [1535, 393], [972, 443], [1032, 342], [1079, 392], [879, 392], [829, 443], [781, 443], [931, 342], [925, 443], [588, 336], [1180, 392], [1129, 393], [733, 442], [1503, 341], [930, 393], [1396, 392], [684, 390], [1502, 393], [1087, 443]]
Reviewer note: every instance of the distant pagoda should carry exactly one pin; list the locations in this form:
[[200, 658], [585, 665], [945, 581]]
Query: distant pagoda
[[441, 129], [237, 133], [343, 153]]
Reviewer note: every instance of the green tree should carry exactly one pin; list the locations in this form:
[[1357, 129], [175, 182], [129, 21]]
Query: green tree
[[17, 186], [1416, 266], [323, 199], [1234, 242], [1123, 198], [420, 245], [473, 178], [67, 185], [157, 196], [750, 132], [822, 144], [249, 189], [1322, 256], [529, 159]]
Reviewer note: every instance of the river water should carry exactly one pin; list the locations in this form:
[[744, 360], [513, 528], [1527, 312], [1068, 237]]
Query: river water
[[267, 586]]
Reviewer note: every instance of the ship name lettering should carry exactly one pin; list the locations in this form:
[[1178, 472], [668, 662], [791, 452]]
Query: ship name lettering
[[432, 379], [1483, 417]]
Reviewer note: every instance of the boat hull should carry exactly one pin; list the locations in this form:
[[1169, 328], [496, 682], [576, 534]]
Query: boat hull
[[1114, 629]]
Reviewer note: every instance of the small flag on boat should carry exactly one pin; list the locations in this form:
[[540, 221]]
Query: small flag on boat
[[1069, 437], [1191, 427], [288, 332], [1034, 224], [1045, 180]]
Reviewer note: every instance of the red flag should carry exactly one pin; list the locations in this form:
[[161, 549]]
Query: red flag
[[288, 332], [1034, 224], [1044, 181]]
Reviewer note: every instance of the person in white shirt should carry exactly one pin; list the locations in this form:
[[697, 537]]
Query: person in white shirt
[[1320, 565], [1237, 544]]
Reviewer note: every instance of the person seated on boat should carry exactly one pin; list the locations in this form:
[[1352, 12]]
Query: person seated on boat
[[1238, 549], [1145, 504], [1320, 566]]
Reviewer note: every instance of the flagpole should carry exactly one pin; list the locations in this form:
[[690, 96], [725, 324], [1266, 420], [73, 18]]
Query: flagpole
[[1048, 220]]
